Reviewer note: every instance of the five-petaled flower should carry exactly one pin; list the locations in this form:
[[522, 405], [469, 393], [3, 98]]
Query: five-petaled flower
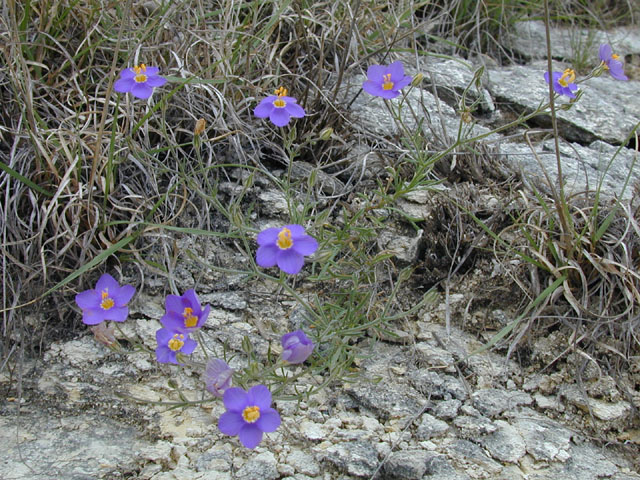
[[139, 81], [563, 82], [612, 62], [386, 82], [249, 414], [217, 376], [279, 108], [108, 301], [184, 313], [286, 247], [296, 347], [170, 343]]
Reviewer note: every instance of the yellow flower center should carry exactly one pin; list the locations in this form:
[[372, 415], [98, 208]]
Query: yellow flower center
[[189, 319], [107, 301], [279, 102], [615, 56], [251, 414], [387, 84], [140, 75], [284, 239], [568, 76], [177, 342]]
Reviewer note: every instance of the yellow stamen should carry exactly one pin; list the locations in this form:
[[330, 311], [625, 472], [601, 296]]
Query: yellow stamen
[[177, 342], [189, 319], [568, 76], [107, 302], [284, 239], [140, 76], [615, 56], [251, 414], [279, 102], [387, 84]]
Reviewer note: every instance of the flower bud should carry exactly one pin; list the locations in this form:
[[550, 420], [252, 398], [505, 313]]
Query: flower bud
[[200, 126], [296, 347], [326, 133], [417, 80], [217, 377]]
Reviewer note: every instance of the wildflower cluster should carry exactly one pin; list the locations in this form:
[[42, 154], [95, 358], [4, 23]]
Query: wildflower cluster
[[563, 82], [249, 413]]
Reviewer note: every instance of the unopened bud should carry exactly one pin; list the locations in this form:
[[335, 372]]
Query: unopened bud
[[417, 80], [200, 126], [467, 117], [326, 133]]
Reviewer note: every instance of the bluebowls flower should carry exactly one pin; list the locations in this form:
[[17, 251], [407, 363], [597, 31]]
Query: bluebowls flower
[[108, 301], [249, 414], [184, 313], [139, 81], [386, 81], [285, 247], [563, 82], [170, 343], [612, 62], [279, 108], [296, 347]]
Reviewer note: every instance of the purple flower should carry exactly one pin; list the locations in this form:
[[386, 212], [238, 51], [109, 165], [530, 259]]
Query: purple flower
[[286, 247], [563, 82], [386, 82], [106, 302], [279, 108], [170, 343], [139, 81], [296, 347], [612, 62], [217, 376], [184, 313], [248, 414]]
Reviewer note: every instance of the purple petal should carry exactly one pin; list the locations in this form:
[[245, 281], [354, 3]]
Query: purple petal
[[163, 336], [173, 321], [117, 314], [93, 316], [230, 423], [279, 117], [127, 73], [372, 88], [192, 299], [263, 110], [189, 346], [156, 81], [124, 85], [88, 299], [296, 230], [250, 436], [289, 261], [259, 396], [617, 70], [305, 245], [605, 52], [235, 399], [174, 303], [267, 256], [389, 94], [295, 110], [403, 82], [396, 69], [204, 315], [269, 420], [106, 281], [375, 73], [141, 90], [123, 295], [165, 355], [268, 236], [151, 71]]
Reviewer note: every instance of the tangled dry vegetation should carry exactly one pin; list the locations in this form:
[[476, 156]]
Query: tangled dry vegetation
[[91, 178]]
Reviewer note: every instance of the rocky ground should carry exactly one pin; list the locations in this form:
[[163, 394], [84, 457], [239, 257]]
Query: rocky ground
[[418, 406]]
